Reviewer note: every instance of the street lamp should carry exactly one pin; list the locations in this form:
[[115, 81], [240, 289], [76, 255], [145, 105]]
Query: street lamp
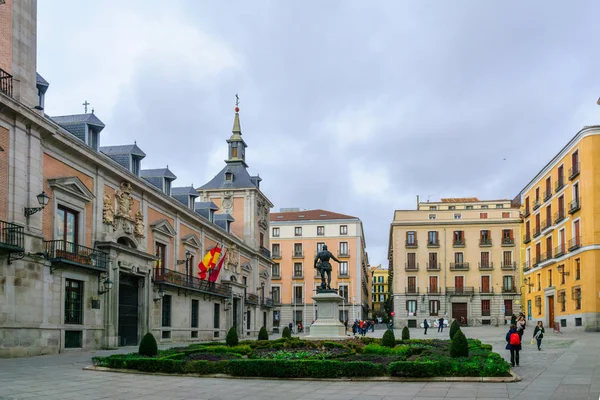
[[42, 199], [104, 286], [161, 294]]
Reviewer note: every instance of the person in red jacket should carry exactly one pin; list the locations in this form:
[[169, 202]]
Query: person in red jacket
[[513, 343]]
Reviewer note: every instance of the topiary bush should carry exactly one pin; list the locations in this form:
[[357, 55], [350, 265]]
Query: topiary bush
[[262, 334], [232, 337], [286, 333], [388, 339], [454, 327], [459, 346], [148, 346], [405, 333]]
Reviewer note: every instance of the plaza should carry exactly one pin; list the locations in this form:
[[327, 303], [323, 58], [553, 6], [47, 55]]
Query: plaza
[[568, 367]]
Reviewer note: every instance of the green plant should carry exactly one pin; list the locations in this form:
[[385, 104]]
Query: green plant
[[388, 339], [148, 346], [232, 337], [414, 369], [262, 334], [405, 333], [459, 346], [291, 355], [454, 327], [286, 333]]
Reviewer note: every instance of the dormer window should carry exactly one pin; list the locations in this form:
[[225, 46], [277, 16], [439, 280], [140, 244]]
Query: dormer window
[[228, 226], [92, 139], [211, 215], [229, 176], [191, 202], [234, 150], [167, 187], [135, 165]]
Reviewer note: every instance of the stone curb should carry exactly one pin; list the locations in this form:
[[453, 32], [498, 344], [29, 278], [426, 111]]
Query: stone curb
[[495, 379]]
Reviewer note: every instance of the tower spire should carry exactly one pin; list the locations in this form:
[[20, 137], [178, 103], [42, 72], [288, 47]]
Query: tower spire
[[236, 119]]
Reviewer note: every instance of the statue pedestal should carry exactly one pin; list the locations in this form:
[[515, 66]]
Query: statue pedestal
[[328, 324]]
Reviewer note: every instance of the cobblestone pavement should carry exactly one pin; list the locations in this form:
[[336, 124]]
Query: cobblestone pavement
[[568, 367]]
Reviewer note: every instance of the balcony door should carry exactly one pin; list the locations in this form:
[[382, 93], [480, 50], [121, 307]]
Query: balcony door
[[507, 259], [67, 228], [433, 284], [459, 283], [485, 284], [412, 284], [576, 232]]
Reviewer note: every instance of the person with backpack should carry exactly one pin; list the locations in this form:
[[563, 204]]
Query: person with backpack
[[513, 343], [521, 325], [538, 334], [425, 325]]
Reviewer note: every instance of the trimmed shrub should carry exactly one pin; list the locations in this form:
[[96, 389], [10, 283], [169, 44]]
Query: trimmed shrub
[[243, 350], [303, 368], [286, 333], [232, 337], [203, 367], [459, 346], [405, 333], [414, 369], [454, 327], [388, 339], [402, 351], [148, 346], [262, 334]]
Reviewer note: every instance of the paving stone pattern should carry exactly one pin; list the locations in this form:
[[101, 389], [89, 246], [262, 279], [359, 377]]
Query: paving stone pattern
[[568, 367]]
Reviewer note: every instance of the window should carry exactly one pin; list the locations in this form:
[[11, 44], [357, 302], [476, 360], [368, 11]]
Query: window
[[195, 308], [135, 166], [73, 302], [298, 250], [485, 284], [276, 249], [457, 216], [412, 284], [451, 207], [298, 318], [527, 206], [459, 283], [507, 259], [411, 307], [411, 238], [433, 284], [276, 294], [507, 236], [168, 187], [561, 270], [411, 260], [577, 297], [499, 205], [458, 257], [507, 282], [484, 207], [458, 237], [538, 304], [577, 269], [298, 231], [320, 230], [434, 307], [320, 246], [505, 214], [228, 176], [431, 216], [343, 268], [485, 259], [550, 278], [469, 207], [275, 232], [298, 291], [485, 237], [433, 261], [276, 270], [67, 227], [343, 292], [344, 248], [432, 238], [485, 308], [537, 195], [166, 310], [234, 150], [161, 254], [93, 137], [217, 316], [297, 270], [539, 281], [483, 215], [562, 299], [432, 208], [343, 229]]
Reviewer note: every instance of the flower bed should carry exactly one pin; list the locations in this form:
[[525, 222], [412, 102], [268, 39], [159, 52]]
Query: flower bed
[[295, 358]]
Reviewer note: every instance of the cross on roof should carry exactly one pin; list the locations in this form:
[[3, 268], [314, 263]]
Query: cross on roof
[[85, 104]]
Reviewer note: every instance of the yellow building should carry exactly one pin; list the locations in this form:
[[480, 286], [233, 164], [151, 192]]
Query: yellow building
[[561, 241], [456, 258], [295, 237], [379, 290]]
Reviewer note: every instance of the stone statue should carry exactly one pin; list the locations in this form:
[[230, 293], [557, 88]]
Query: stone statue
[[108, 215], [124, 201], [139, 224], [323, 266]]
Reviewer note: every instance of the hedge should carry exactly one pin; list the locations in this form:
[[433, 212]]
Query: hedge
[[415, 369], [303, 368]]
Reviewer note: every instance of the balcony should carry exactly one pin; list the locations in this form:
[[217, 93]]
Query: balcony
[[61, 252], [462, 266], [265, 252], [276, 277], [433, 243], [535, 261], [266, 302], [411, 266], [460, 291], [458, 243], [276, 256], [251, 298], [433, 266], [183, 281], [508, 242], [560, 250], [297, 301], [574, 206], [526, 266], [509, 289], [547, 223], [486, 290], [485, 242], [434, 291], [12, 237], [487, 266], [343, 274], [526, 238], [412, 290], [412, 243], [559, 216], [536, 204], [575, 243], [276, 301], [536, 232], [527, 213], [299, 275], [343, 253], [574, 171], [298, 254], [511, 266], [546, 256], [6, 83], [547, 195], [559, 184]]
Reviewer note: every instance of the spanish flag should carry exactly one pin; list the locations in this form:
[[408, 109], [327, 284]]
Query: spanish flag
[[209, 261], [214, 273]]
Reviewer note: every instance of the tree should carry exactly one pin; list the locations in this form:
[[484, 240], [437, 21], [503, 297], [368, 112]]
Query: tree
[[148, 346], [405, 333], [454, 327], [286, 333], [389, 339], [262, 334], [232, 337], [459, 346]]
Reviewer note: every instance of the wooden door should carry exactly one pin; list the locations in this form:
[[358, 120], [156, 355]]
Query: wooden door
[[412, 284], [459, 283], [576, 232], [459, 312], [433, 284], [551, 311], [485, 284]]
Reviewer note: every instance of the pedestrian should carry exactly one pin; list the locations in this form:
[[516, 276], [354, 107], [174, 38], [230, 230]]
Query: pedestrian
[[513, 320], [521, 325], [291, 326], [372, 325], [538, 334], [425, 325], [346, 326], [513, 343], [354, 328], [441, 324]]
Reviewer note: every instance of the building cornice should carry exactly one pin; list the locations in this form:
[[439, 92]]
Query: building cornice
[[458, 223]]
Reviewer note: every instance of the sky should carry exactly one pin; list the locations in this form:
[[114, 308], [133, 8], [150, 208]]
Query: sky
[[354, 107]]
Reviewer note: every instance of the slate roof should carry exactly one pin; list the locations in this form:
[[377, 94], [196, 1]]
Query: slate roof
[[157, 173], [222, 219], [78, 119], [241, 178], [205, 205], [40, 81], [132, 149], [308, 215], [185, 190]]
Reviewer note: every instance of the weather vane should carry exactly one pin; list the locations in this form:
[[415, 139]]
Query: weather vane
[[85, 104], [237, 100]]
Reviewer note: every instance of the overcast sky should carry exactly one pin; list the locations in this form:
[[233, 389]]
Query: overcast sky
[[350, 106]]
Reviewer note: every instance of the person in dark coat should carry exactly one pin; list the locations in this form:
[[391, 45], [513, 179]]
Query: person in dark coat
[[425, 325], [441, 324], [538, 334], [514, 348], [513, 320]]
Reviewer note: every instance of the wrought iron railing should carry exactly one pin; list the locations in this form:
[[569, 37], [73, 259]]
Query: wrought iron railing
[[265, 252], [485, 242], [12, 237], [575, 243], [433, 266], [411, 266], [547, 194], [72, 253], [412, 243], [509, 289], [574, 206], [412, 290], [267, 302], [458, 243], [508, 266], [526, 238], [460, 290], [251, 298], [434, 291], [574, 171], [559, 216], [486, 290], [459, 266], [508, 241], [6, 83], [433, 243], [559, 184], [486, 266], [169, 277]]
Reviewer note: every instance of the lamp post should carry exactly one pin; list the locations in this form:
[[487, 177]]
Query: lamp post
[[42, 199], [104, 286]]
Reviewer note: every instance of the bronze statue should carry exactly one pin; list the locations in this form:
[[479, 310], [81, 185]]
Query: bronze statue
[[323, 266]]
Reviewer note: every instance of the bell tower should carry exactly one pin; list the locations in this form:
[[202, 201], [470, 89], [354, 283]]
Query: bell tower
[[236, 145]]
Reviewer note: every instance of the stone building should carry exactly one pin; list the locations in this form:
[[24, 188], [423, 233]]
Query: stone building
[[379, 290], [96, 251]]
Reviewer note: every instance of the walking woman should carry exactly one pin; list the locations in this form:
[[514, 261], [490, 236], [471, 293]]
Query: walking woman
[[513, 343], [538, 334], [425, 325]]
